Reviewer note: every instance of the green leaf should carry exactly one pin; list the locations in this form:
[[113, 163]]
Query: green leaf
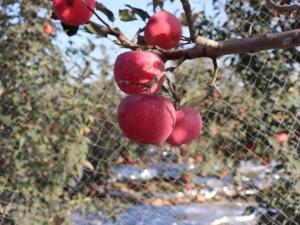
[[141, 13], [109, 14], [158, 3], [126, 15], [96, 29], [70, 30]]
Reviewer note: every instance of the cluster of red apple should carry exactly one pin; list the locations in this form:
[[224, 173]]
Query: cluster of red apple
[[145, 116]]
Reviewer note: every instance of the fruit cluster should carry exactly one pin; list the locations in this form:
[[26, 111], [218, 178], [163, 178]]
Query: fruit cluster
[[144, 116]]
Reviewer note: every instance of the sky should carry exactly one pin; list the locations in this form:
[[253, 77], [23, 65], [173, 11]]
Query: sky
[[128, 28]]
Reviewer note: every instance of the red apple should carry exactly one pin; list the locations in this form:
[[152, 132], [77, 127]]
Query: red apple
[[250, 148], [187, 127], [199, 158], [266, 159], [282, 138], [185, 177], [74, 12], [164, 30], [276, 13], [136, 67], [48, 29], [215, 95], [146, 118], [189, 186]]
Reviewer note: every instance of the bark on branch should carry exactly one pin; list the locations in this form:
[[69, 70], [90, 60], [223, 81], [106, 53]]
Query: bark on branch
[[288, 9], [281, 40]]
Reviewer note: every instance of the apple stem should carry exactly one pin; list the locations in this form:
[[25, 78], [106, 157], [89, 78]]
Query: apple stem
[[70, 2]]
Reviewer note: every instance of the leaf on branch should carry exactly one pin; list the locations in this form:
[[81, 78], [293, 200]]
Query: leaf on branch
[[158, 3], [141, 13], [70, 30], [53, 16], [126, 15], [96, 29], [109, 14]]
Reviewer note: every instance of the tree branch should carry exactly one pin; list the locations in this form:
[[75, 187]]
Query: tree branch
[[123, 41], [288, 9], [189, 18], [281, 40]]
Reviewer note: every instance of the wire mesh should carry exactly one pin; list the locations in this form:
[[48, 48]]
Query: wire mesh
[[243, 168]]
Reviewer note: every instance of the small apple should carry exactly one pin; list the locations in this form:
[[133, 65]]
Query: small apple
[[250, 148], [266, 159], [48, 29], [138, 67], [185, 177], [187, 127], [146, 118], [199, 158], [74, 12], [276, 13], [189, 186], [242, 111], [164, 30], [215, 95], [282, 138]]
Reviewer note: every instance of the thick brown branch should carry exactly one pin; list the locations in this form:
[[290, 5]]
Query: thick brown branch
[[189, 18], [282, 40], [288, 9]]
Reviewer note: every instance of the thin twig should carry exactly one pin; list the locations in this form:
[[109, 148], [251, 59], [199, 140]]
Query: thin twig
[[122, 40], [189, 18], [212, 82], [173, 92], [177, 64], [95, 13]]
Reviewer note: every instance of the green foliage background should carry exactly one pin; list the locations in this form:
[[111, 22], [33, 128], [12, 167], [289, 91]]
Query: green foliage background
[[53, 123]]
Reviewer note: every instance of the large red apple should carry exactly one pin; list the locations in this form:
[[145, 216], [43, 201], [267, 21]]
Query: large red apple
[[164, 30], [146, 118], [187, 127], [74, 12], [136, 67], [282, 138]]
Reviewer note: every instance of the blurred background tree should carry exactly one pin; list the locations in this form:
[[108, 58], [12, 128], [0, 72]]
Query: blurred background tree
[[43, 118]]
